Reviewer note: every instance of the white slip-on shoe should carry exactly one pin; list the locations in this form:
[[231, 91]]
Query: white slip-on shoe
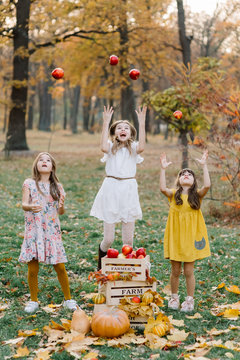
[[70, 304], [174, 303], [31, 307], [188, 304]]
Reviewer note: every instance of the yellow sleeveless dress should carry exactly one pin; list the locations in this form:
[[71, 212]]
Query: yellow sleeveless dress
[[185, 237]]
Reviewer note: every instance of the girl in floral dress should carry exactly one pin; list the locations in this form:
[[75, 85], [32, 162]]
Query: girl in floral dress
[[43, 200]]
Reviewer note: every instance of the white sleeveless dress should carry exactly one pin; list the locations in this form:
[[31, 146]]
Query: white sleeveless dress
[[118, 200]]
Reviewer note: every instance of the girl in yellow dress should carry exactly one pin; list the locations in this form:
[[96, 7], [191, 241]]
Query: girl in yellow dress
[[185, 238]]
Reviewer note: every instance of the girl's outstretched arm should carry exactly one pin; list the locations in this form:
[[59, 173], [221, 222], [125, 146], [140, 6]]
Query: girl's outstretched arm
[[206, 178], [107, 115], [141, 114], [61, 209], [26, 206], [164, 164]]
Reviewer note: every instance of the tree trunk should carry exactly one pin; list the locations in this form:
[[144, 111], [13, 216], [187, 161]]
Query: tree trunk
[[185, 41], [65, 107], [16, 134], [184, 143], [31, 108], [45, 104], [5, 112], [74, 109], [95, 105], [86, 113]]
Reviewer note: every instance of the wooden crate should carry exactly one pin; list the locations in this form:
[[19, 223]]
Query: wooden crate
[[116, 290], [136, 266], [138, 321]]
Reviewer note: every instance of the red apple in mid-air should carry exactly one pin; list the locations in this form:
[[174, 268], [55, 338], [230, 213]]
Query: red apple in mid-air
[[177, 114], [136, 299], [134, 74], [127, 249], [57, 73], [141, 251], [113, 60], [112, 253]]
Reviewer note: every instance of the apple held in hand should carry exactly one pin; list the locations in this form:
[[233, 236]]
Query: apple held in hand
[[136, 299], [113, 60], [127, 249], [58, 73], [141, 251], [134, 74], [177, 114], [112, 253]]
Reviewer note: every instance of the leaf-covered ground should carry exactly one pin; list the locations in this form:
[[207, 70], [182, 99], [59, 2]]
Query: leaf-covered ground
[[81, 173]]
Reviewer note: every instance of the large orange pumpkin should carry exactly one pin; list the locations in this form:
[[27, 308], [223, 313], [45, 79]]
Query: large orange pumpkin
[[110, 323]]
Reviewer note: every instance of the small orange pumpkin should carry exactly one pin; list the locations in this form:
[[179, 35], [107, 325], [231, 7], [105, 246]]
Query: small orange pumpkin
[[110, 323], [147, 298], [160, 329], [99, 299]]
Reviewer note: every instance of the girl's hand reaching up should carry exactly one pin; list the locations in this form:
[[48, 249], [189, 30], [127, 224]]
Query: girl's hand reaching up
[[61, 201], [163, 161], [107, 114], [141, 114], [203, 160]]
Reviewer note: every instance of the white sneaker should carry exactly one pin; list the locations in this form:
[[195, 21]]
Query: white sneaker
[[174, 303], [70, 304], [31, 307], [188, 304]]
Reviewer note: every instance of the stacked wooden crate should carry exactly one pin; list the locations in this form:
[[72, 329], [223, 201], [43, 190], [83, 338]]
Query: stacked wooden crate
[[114, 291]]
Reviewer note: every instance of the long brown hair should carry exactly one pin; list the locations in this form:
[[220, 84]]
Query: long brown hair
[[118, 144], [53, 179], [193, 196]]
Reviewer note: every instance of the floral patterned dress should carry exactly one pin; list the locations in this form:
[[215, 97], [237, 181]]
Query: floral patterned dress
[[42, 239]]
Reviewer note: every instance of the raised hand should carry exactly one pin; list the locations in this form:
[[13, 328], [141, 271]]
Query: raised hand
[[107, 114], [203, 159], [61, 201], [163, 161], [141, 114]]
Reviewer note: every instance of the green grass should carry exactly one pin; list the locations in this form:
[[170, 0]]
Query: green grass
[[81, 236]]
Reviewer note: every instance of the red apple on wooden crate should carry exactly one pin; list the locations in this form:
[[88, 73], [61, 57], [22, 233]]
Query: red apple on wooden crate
[[177, 114], [141, 251], [112, 253], [131, 256], [58, 73], [134, 74], [127, 249], [113, 60], [136, 299]]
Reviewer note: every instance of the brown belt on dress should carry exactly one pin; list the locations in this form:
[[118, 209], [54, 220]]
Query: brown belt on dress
[[117, 178]]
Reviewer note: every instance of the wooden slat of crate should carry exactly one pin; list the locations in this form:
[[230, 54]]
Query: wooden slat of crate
[[116, 290], [137, 266], [138, 321]]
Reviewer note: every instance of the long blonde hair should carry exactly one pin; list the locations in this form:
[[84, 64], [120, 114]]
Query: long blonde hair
[[54, 190], [118, 144], [193, 196]]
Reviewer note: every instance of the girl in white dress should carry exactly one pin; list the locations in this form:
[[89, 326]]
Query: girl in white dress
[[117, 199]]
